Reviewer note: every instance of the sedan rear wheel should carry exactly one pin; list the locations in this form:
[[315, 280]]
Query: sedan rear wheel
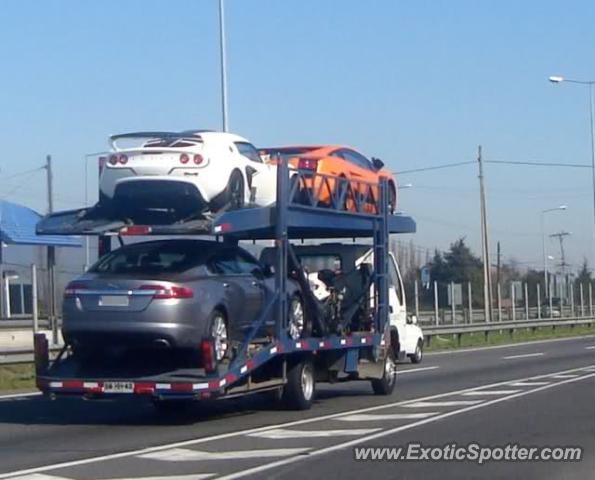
[[236, 191], [220, 336], [296, 318]]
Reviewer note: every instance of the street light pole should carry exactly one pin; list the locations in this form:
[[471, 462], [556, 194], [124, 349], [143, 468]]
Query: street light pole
[[223, 60], [589, 83]]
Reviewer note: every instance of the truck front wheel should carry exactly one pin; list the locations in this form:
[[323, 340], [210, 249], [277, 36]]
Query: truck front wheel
[[418, 355], [386, 384], [298, 393]]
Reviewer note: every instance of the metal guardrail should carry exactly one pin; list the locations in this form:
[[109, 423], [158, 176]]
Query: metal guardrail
[[17, 356], [510, 326]]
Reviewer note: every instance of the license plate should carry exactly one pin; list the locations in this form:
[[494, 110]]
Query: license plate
[[113, 301], [118, 387]]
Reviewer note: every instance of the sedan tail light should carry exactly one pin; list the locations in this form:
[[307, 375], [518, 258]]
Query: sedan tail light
[[198, 159], [307, 164], [184, 159], [167, 292], [113, 160], [74, 288], [123, 159]]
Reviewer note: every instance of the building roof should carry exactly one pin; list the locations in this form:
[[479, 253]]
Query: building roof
[[17, 227]]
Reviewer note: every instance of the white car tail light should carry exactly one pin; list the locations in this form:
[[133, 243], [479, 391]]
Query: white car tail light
[[184, 159], [198, 159]]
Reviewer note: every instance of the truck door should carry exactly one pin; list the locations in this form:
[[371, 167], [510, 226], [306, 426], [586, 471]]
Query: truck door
[[396, 297]]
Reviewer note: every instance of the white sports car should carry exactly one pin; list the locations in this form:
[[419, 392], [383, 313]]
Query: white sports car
[[179, 176]]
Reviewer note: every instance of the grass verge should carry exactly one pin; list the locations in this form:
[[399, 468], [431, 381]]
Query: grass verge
[[446, 342], [17, 377]]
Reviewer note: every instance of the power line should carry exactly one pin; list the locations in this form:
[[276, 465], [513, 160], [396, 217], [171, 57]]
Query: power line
[[22, 173], [436, 167], [539, 164]]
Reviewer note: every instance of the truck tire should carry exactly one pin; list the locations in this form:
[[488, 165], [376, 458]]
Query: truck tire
[[386, 384], [418, 355], [298, 393]]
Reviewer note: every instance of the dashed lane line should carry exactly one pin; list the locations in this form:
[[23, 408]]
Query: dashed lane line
[[525, 355], [479, 393], [282, 433], [187, 455], [385, 433], [413, 370], [447, 403], [377, 417]]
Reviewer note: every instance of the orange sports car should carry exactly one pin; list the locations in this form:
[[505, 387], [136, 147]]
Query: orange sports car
[[331, 161]]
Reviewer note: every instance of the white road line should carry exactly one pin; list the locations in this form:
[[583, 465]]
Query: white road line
[[20, 395], [222, 436], [195, 476], [448, 403], [187, 455], [370, 417], [489, 392], [385, 433], [526, 355], [280, 433], [591, 347], [412, 370], [567, 375], [529, 384]]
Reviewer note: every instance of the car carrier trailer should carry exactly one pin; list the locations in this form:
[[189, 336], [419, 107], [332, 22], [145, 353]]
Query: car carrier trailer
[[278, 362]]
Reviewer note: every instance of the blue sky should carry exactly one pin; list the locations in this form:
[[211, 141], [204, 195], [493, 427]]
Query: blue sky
[[417, 83]]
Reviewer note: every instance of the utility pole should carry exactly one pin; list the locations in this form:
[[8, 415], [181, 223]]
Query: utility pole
[[485, 244], [51, 259], [223, 60], [499, 256], [560, 236]]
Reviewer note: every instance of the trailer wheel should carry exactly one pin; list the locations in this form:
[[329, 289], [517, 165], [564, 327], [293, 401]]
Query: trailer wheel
[[386, 384], [298, 393]]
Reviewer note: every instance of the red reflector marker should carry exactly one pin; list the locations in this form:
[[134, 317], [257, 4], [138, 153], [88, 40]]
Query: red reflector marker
[[136, 230], [307, 164], [208, 355]]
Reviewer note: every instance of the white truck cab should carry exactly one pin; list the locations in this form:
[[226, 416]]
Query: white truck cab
[[406, 335], [409, 335]]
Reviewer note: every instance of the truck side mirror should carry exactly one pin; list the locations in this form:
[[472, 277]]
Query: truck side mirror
[[412, 320]]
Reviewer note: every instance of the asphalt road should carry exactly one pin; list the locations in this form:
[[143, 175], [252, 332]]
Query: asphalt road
[[537, 395]]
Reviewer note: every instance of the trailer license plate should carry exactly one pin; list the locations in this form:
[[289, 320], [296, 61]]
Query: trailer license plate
[[118, 387], [113, 301]]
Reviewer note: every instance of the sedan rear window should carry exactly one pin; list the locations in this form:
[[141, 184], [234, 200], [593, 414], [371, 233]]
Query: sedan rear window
[[151, 258]]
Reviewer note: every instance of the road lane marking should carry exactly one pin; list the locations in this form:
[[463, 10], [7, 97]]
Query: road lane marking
[[568, 375], [371, 417], [528, 384], [341, 446], [526, 355], [489, 392], [280, 433], [591, 347], [412, 370], [222, 436], [187, 455], [20, 395], [448, 403], [195, 476]]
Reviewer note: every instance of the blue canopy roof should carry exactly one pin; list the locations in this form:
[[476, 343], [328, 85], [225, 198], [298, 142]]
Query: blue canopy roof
[[17, 227]]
